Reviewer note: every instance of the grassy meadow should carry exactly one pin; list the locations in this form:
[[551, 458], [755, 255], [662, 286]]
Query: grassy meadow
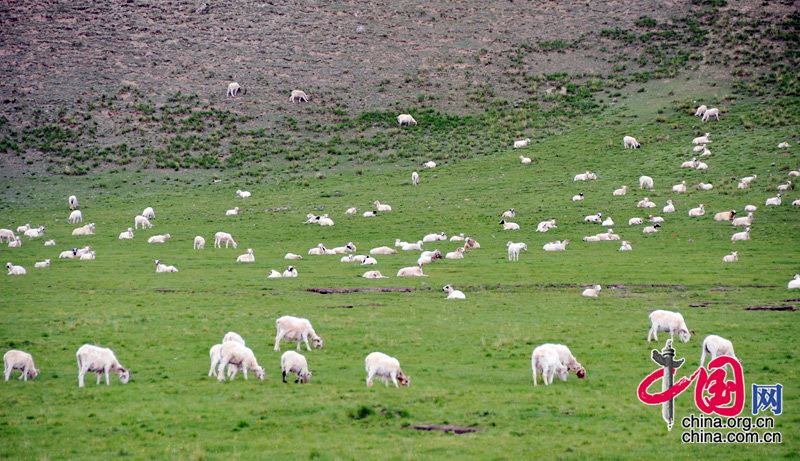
[[469, 361]]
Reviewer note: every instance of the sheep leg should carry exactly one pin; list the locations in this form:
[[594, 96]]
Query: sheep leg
[[278, 339], [394, 379], [305, 339], [213, 367], [283, 372], [7, 373], [221, 370], [370, 375], [24, 376]]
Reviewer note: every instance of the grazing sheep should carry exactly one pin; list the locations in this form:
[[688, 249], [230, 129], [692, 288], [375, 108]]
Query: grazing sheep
[[457, 238], [159, 238], [680, 188], [672, 322], [296, 329], [74, 218], [215, 355], [702, 139], [743, 220], [290, 272], [558, 245], [19, 360], [406, 119], [243, 193], [784, 187], [592, 292], [412, 246], [669, 207], [725, 215], [690, 163], [471, 244], [705, 186], [414, 178], [509, 225], [594, 218], [126, 235], [224, 237], [773, 201], [99, 360], [545, 226], [565, 359], [629, 142], [620, 192], [452, 293], [645, 203], [385, 367], [273, 274], [384, 250], [233, 336], [716, 346], [232, 212], [745, 235], [525, 160], [163, 267], [88, 256], [509, 213], [199, 243], [545, 361], [712, 112], [731, 258], [651, 229], [73, 202], [42, 264], [429, 164], [374, 275], [234, 89], [292, 362], [141, 221], [577, 198], [15, 270], [645, 182], [413, 271], [298, 96], [794, 283], [521, 143], [248, 257], [700, 210], [457, 254], [626, 246], [434, 237], [588, 176], [514, 249], [351, 211], [700, 111], [381, 206], [234, 353], [149, 213], [369, 261]]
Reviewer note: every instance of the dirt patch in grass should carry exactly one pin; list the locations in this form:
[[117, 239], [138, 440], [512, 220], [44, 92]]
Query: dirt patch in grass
[[771, 308], [702, 304], [329, 291], [448, 428]]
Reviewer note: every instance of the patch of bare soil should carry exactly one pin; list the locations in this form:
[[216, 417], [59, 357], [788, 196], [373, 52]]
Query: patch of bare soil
[[329, 291], [771, 308], [447, 428]]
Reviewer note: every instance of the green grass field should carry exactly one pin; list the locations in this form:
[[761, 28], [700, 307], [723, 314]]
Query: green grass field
[[469, 361]]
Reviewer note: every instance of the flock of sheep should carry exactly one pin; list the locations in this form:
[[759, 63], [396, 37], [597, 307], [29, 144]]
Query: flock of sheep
[[232, 355]]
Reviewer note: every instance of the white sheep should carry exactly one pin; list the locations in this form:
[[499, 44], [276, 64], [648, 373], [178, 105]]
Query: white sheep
[[369, 261], [785, 186], [545, 361], [351, 211], [592, 292], [234, 353], [521, 143], [34, 232], [471, 244], [42, 264], [296, 329], [370, 214], [629, 142], [514, 249], [15, 270], [725, 215], [545, 226], [384, 250], [68, 254], [159, 238], [625, 246], [712, 112], [794, 283], [594, 218], [655, 219], [325, 221], [702, 139], [243, 193], [199, 242], [457, 254], [525, 160], [739, 236], [141, 221], [588, 176], [671, 322], [298, 96], [292, 256], [232, 212], [716, 346], [749, 179], [509, 225], [705, 186], [273, 274], [699, 148], [702, 166], [651, 229], [161, 268], [318, 250], [233, 90], [248, 257], [578, 198], [16, 243], [669, 207], [700, 210], [292, 362], [565, 359], [434, 237], [149, 213], [796, 202], [620, 192], [385, 367], [215, 355], [558, 245], [750, 208], [689, 163], [509, 213], [73, 202], [731, 258], [374, 275], [126, 235], [457, 238], [88, 256], [413, 271], [289, 273], [74, 218], [452, 293], [783, 145], [414, 178], [99, 360], [743, 220], [680, 188], [705, 152], [19, 360], [233, 336], [700, 111], [645, 203], [429, 164], [773, 201], [224, 237], [794, 173], [381, 206], [412, 246], [645, 182], [406, 119]]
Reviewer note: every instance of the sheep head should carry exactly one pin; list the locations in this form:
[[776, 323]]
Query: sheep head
[[124, 375]]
